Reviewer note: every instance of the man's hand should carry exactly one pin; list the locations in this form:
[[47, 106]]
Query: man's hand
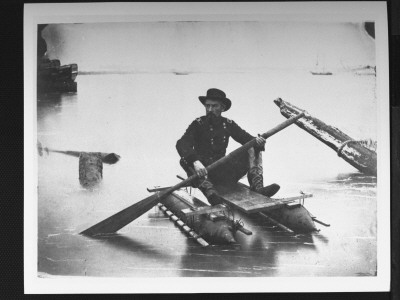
[[260, 141], [199, 169]]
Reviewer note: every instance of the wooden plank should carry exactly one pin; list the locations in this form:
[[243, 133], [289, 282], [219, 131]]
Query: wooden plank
[[242, 198], [205, 210]]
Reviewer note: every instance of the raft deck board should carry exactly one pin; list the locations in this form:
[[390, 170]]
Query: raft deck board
[[242, 198]]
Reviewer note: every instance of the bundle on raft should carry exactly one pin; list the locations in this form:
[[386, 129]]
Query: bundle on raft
[[213, 231], [215, 226], [352, 151]]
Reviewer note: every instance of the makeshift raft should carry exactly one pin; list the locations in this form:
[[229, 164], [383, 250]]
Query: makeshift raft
[[216, 224], [352, 151]]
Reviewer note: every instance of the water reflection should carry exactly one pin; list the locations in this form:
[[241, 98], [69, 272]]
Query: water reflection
[[348, 179], [256, 255], [52, 105], [131, 246]]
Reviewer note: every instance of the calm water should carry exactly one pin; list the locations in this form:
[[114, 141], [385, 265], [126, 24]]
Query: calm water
[[140, 117]]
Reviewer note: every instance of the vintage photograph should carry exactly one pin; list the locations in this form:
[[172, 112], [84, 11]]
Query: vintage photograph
[[218, 142]]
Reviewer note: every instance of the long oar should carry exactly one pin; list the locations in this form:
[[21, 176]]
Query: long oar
[[124, 217], [107, 158]]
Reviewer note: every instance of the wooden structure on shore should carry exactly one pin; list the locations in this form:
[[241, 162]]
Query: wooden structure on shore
[[52, 77], [352, 151]]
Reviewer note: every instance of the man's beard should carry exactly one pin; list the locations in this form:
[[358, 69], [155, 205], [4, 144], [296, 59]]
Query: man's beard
[[212, 119]]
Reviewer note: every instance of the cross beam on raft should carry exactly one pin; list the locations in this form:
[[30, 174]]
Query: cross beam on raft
[[248, 201], [360, 157]]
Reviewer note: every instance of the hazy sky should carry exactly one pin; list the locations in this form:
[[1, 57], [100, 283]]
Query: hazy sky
[[209, 46]]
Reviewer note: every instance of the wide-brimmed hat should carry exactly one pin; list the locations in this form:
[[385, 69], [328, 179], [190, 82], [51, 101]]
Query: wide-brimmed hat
[[216, 94]]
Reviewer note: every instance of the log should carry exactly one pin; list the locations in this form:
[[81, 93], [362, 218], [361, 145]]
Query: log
[[90, 169], [352, 151]]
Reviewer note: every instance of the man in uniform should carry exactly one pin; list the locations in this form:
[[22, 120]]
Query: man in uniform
[[205, 141]]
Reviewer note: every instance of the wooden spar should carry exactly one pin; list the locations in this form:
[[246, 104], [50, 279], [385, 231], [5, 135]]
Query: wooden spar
[[124, 217], [275, 222], [320, 222], [350, 150], [107, 158]]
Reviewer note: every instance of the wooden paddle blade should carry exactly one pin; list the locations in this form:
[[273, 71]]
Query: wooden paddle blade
[[110, 158], [124, 217]]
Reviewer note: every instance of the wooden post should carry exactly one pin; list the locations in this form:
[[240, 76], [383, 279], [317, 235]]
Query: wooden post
[[90, 169]]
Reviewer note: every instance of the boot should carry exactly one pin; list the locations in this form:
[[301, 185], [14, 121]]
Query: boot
[[255, 175], [207, 188], [269, 190], [215, 199]]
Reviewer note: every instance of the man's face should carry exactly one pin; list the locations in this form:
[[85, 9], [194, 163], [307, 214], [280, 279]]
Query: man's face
[[213, 107]]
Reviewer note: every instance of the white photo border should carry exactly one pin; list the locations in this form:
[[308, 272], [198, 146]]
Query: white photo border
[[133, 12]]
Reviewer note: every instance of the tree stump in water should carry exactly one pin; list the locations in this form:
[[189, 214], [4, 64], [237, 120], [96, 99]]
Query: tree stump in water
[[90, 169]]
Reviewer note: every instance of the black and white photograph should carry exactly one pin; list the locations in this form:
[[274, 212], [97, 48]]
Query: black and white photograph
[[206, 147]]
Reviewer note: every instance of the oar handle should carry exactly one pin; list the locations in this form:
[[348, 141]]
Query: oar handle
[[253, 142]]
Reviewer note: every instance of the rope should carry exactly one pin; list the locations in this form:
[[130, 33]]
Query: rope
[[339, 151]]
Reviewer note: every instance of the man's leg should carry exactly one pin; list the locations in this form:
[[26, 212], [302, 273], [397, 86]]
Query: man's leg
[[205, 185], [207, 188], [255, 175]]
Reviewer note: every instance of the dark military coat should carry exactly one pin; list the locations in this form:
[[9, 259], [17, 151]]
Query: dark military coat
[[207, 142]]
